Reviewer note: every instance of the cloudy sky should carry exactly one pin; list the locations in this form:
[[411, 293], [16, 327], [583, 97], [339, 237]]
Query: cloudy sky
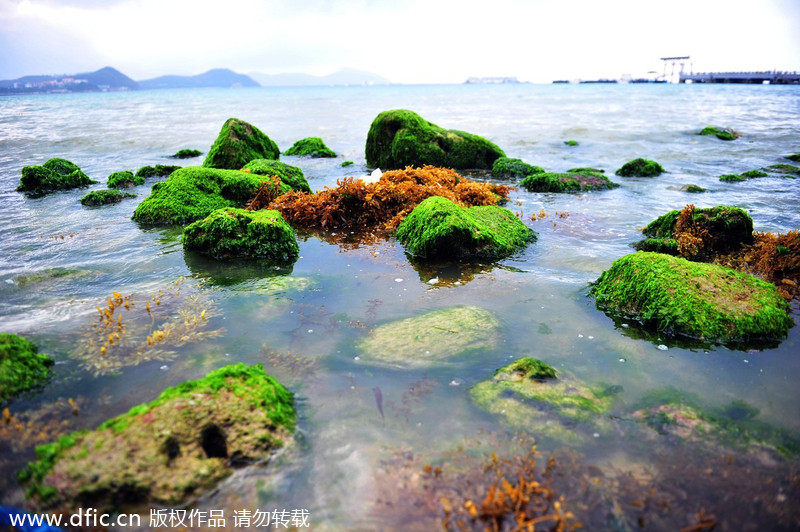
[[406, 41]]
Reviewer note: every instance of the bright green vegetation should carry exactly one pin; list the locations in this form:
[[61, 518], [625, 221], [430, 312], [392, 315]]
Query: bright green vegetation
[[640, 168], [694, 189], [431, 338], [347, 163], [437, 227], [187, 154], [586, 170], [22, 367], [752, 174], [732, 178], [104, 197], [55, 174], [569, 182], [720, 133], [194, 192], [794, 157], [692, 299], [789, 169], [237, 144], [506, 167], [571, 142], [401, 138], [163, 452], [230, 232], [159, 170], [310, 147], [124, 179], [290, 175]]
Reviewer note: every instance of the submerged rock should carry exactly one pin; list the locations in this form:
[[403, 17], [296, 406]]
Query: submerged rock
[[690, 299], [731, 178], [437, 227], [159, 170], [506, 167], [55, 174], [640, 168], [720, 133], [239, 143], [187, 153], [22, 367], [124, 179], [194, 192], [104, 197], [401, 138], [231, 232], [431, 338], [794, 157], [789, 170], [694, 189], [752, 174], [569, 182], [170, 450], [310, 147], [291, 175]]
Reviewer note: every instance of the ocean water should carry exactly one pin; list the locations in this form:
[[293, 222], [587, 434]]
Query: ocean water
[[355, 463]]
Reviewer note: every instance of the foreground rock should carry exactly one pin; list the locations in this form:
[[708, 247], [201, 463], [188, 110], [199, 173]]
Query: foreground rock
[[640, 168], [167, 451], [569, 182], [401, 138], [506, 167], [55, 174], [291, 175], [22, 367], [228, 233], [239, 143], [693, 300], [437, 227], [432, 338], [310, 147]]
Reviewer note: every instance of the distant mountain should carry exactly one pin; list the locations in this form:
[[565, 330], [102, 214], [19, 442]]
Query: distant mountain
[[345, 76], [105, 79], [218, 77]]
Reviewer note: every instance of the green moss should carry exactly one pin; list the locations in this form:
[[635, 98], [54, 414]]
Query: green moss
[[668, 246], [55, 174], [694, 189], [159, 170], [401, 138], [531, 368], [794, 157], [124, 179], [437, 227], [230, 232], [640, 168], [22, 368], [237, 144], [290, 175], [193, 192], [569, 182], [310, 147], [727, 227], [691, 299], [506, 167], [347, 163], [586, 170], [731, 178], [104, 197], [187, 154], [789, 169], [720, 133], [751, 174], [571, 142]]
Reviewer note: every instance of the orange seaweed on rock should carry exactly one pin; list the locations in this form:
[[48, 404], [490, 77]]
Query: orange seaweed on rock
[[774, 258]]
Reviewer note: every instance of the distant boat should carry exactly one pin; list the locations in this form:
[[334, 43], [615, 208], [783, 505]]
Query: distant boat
[[561, 81], [646, 80], [598, 81]]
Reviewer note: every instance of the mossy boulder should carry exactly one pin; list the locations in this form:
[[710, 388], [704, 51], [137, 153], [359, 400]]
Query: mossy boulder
[[187, 153], [159, 170], [437, 227], [104, 197], [567, 182], [432, 338], [506, 167], [640, 168], [310, 147], [585, 170], [732, 178], [691, 299], [230, 232], [237, 144], [692, 188], [170, 450], [347, 163], [571, 142], [124, 179], [291, 175], [401, 138], [720, 133], [55, 174], [794, 157], [194, 192], [789, 170], [22, 367], [753, 174]]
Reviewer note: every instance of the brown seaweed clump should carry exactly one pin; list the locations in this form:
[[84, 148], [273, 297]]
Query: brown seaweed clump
[[774, 258]]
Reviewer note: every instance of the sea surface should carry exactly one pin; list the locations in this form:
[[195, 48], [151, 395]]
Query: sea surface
[[366, 431]]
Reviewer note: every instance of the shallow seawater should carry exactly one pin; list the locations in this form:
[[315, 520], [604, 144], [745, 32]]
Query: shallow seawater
[[59, 261]]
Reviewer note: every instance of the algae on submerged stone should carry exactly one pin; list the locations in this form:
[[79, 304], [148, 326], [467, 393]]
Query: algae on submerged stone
[[640, 168], [291, 175], [187, 153], [104, 197], [568, 182], [22, 367], [506, 167], [720, 133], [692, 188], [55, 174], [237, 144], [310, 147], [124, 179], [401, 138], [159, 170]]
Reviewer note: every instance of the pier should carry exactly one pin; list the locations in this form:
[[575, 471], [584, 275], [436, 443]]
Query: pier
[[772, 77]]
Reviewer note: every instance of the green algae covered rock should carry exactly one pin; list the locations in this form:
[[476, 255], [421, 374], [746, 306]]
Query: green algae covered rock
[[506, 167], [571, 142], [720, 133], [22, 367], [230, 232], [794, 157], [291, 175], [187, 153], [692, 188], [167, 451], [104, 197], [310, 147], [239, 143], [569, 182], [401, 138], [640, 168], [789, 170], [194, 192], [55, 174], [437, 227], [124, 179], [431, 338], [691, 299], [732, 178], [159, 170], [752, 174]]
